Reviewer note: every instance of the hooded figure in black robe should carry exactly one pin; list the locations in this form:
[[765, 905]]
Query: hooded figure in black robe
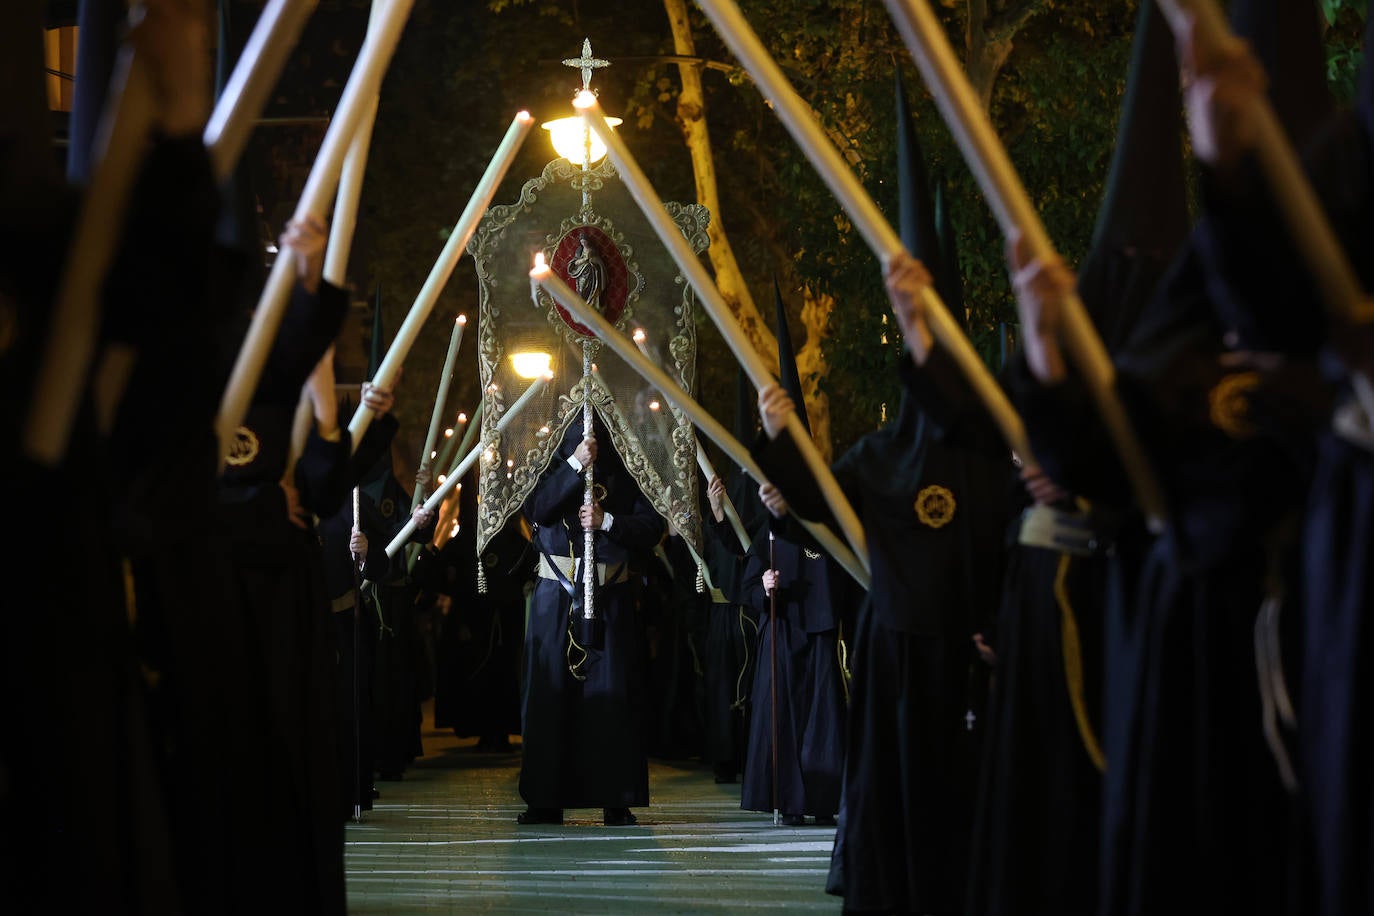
[[477, 676], [798, 688], [798, 692], [729, 632], [584, 707], [1196, 759], [355, 629], [675, 599], [82, 765], [1276, 299], [1037, 838], [277, 584], [930, 489]]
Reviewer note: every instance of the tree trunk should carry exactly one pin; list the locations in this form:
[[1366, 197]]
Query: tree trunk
[[691, 118], [811, 368], [729, 279], [988, 42]]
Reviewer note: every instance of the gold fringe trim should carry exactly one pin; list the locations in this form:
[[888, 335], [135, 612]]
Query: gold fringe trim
[[741, 695], [575, 667], [842, 652], [1073, 663]]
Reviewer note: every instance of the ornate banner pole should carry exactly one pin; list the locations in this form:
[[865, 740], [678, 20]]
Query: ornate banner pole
[[555, 287], [443, 267], [987, 158], [692, 268], [441, 492]]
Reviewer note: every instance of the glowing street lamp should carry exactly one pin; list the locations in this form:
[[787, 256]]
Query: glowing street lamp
[[531, 365]]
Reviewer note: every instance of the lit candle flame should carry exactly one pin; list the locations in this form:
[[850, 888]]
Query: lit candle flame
[[639, 335], [539, 265], [462, 319]]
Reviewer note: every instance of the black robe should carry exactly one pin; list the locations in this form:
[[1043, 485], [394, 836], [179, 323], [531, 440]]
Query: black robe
[[1335, 753], [797, 667], [289, 641], [398, 658], [1036, 833], [84, 768], [673, 610], [918, 690], [583, 709], [354, 627], [1036, 844], [728, 639], [1192, 794], [477, 660]]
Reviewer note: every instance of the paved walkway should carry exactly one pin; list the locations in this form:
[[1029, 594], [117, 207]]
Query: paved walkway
[[445, 839]]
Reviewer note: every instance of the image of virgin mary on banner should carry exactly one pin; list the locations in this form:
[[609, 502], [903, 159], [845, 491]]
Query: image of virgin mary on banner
[[595, 237]]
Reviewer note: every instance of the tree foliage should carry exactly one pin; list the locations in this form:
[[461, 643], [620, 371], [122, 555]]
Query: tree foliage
[[463, 70]]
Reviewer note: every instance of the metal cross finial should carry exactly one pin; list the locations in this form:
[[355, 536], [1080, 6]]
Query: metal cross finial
[[586, 63]]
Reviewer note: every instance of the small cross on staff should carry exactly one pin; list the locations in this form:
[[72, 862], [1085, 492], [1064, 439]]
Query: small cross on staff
[[586, 63]]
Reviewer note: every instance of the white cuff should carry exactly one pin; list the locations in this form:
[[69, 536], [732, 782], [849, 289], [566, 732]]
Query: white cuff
[[606, 520], [575, 464], [1351, 424]]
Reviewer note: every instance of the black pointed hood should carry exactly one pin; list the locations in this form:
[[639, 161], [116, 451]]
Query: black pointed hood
[[1144, 217], [918, 210], [1286, 36], [915, 202], [949, 279], [742, 489], [787, 358], [1144, 204]]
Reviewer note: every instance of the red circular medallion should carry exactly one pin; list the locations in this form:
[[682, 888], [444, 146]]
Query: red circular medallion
[[587, 260]]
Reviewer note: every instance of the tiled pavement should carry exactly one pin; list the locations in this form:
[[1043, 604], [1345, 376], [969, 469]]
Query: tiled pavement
[[444, 839]]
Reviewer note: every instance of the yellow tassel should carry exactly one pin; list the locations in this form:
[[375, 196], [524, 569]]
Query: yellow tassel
[[1073, 663], [842, 653], [575, 667]]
